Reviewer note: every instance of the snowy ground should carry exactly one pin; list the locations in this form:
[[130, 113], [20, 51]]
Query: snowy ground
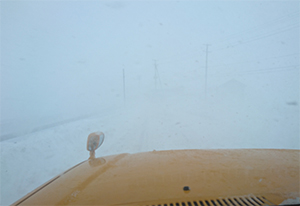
[[162, 120]]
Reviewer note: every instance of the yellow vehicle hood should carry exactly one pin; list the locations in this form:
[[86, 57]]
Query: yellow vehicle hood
[[177, 177]]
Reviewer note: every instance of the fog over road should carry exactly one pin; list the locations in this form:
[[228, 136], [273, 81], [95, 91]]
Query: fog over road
[[161, 120]]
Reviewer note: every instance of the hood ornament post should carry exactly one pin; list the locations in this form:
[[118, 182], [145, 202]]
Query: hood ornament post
[[93, 142]]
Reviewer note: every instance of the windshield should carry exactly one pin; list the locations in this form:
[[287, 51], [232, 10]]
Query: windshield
[[151, 75]]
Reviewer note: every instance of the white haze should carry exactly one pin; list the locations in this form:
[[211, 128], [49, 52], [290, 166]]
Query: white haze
[[62, 66]]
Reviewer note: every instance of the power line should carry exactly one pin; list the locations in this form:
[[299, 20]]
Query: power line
[[257, 38], [272, 69], [258, 71], [256, 61], [260, 27], [264, 25], [268, 35]]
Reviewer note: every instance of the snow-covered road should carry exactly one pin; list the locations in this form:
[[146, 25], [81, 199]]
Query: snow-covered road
[[161, 121]]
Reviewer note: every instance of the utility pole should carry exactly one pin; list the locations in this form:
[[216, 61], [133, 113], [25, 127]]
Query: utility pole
[[156, 75], [206, 69]]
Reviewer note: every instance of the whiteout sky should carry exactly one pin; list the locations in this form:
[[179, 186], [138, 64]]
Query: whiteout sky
[[64, 59]]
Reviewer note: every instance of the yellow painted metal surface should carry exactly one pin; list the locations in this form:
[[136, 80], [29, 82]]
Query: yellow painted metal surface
[[160, 176]]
